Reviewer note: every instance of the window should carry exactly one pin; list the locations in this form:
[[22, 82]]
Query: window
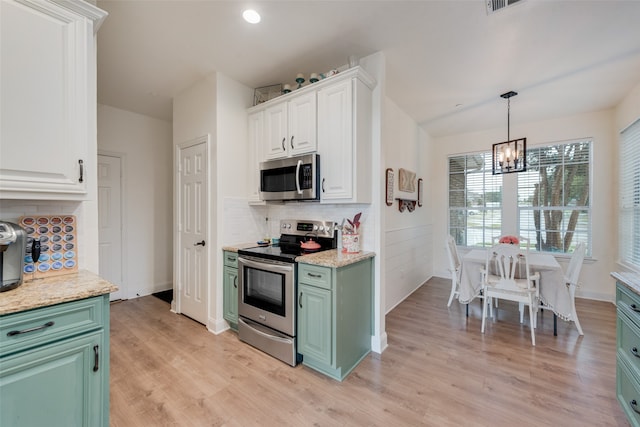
[[552, 204], [475, 200], [553, 196], [629, 197]]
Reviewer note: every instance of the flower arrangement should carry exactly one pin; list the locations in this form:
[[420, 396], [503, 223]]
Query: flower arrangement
[[352, 227], [513, 240]]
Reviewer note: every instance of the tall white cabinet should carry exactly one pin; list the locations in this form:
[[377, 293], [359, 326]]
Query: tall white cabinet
[[48, 98]]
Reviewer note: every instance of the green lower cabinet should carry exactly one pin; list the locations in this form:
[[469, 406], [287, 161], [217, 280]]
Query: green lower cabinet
[[54, 365], [230, 288], [335, 316], [628, 355]]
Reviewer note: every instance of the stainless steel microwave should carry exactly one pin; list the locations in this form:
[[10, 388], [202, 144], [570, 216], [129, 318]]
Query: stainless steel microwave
[[294, 178]]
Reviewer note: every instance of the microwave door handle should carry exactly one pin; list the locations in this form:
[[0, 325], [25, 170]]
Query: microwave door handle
[[298, 177]]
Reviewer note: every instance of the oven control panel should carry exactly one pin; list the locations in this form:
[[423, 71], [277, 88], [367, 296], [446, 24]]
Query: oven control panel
[[304, 227]]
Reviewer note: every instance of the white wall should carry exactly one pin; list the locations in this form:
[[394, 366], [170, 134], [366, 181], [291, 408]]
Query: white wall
[[408, 235], [595, 280], [145, 146]]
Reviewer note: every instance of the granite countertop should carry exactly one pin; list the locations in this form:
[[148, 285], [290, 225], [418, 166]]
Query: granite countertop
[[630, 280], [334, 258], [54, 290]]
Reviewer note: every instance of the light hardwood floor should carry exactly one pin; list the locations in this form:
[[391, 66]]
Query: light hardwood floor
[[439, 370]]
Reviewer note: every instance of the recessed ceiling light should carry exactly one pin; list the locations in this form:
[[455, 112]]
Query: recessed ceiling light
[[251, 16]]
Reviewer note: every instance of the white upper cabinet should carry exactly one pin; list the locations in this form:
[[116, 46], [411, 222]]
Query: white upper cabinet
[[290, 127], [302, 124], [344, 139], [48, 98]]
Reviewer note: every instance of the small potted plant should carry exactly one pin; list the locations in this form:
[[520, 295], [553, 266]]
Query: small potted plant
[[350, 235]]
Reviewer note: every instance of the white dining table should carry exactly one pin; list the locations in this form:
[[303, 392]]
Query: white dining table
[[553, 290]]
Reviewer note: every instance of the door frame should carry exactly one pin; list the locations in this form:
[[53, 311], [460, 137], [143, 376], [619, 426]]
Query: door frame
[[177, 267], [123, 217]]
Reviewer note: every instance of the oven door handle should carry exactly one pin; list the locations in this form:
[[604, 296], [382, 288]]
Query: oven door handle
[[269, 336], [261, 264], [298, 176]]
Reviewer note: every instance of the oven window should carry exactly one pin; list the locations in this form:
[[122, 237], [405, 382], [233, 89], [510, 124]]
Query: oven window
[[265, 290]]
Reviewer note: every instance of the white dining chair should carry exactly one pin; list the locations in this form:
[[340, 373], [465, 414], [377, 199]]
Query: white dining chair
[[503, 283], [455, 268]]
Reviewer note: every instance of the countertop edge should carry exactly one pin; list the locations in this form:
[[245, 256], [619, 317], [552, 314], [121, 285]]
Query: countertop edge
[[628, 279], [55, 290], [334, 258]]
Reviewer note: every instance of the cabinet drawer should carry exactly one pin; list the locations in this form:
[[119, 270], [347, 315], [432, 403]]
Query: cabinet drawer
[[629, 341], [314, 275], [40, 326], [628, 303], [230, 259], [628, 392]]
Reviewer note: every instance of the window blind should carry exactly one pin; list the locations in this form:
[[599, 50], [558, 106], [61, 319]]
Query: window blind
[[629, 197]]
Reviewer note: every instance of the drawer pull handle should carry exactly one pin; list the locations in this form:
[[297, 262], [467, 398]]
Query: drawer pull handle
[[634, 406], [300, 300], [96, 358], [235, 283], [26, 331], [635, 308], [634, 351], [232, 259], [317, 276]]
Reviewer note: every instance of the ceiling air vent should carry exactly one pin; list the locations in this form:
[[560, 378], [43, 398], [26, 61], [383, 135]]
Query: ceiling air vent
[[496, 5]]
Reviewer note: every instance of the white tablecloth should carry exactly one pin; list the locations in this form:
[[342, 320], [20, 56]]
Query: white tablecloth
[[553, 291]]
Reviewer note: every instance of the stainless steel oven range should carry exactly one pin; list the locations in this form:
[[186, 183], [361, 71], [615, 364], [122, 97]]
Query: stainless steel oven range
[[267, 294]]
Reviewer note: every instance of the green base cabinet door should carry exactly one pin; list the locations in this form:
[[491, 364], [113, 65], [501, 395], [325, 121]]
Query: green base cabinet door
[[56, 385], [230, 289], [314, 324]]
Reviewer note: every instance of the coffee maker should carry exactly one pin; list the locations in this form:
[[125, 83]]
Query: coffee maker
[[13, 243]]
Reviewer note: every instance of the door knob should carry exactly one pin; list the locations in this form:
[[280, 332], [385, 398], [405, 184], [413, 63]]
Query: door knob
[[199, 243]]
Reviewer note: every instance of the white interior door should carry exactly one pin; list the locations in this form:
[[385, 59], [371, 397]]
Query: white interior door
[[193, 259], [110, 222]]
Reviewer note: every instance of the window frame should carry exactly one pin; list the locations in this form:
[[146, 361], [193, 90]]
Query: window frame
[[510, 205], [631, 158]]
